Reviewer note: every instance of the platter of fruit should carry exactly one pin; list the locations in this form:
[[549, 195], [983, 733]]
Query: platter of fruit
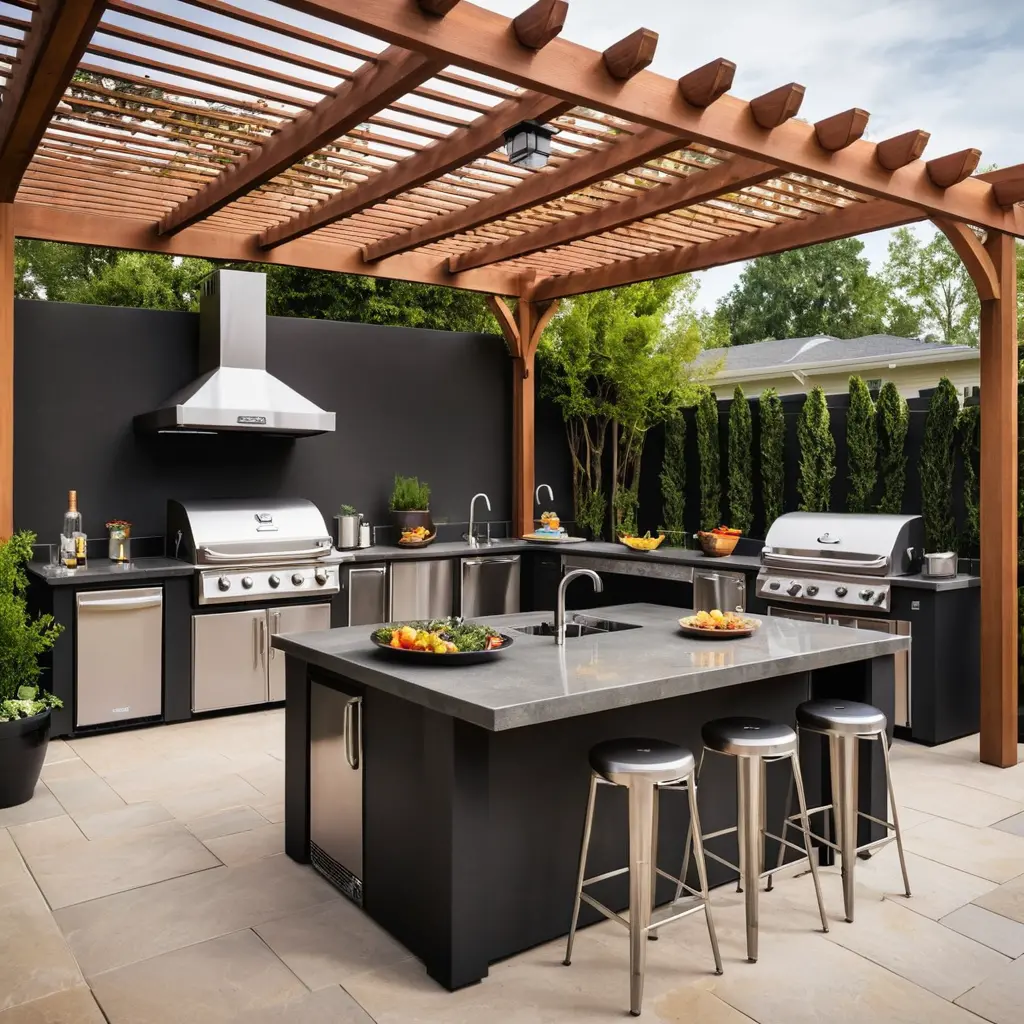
[[417, 537], [445, 641], [551, 530], [644, 543], [720, 541], [718, 625]]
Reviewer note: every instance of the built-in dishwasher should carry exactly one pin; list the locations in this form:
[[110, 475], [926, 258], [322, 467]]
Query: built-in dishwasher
[[490, 586], [336, 788], [119, 656]]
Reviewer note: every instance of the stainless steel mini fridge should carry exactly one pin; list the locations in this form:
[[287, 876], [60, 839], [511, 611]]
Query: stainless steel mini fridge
[[336, 788]]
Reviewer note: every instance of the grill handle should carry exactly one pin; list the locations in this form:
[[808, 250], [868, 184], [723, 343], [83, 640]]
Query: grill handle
[[830, 564], [210, 555]]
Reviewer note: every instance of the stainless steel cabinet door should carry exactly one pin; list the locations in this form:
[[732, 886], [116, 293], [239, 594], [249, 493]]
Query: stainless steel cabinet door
[[366, 591], [229, 660], [303, 618], [119, 672], [422, 589], [490, 586]]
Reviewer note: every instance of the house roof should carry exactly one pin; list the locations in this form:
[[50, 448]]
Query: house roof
[[826, 354]]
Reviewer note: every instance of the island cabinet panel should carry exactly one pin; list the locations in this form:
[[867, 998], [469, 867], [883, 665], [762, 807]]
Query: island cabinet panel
[[471, 837]]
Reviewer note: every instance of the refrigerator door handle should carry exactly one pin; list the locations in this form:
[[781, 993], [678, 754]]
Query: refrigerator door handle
[[351, 727]]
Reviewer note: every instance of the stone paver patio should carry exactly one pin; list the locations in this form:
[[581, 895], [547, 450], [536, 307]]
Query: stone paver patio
[[146, 883]]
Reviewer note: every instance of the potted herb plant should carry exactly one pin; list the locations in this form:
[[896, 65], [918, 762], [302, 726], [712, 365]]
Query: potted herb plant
[[410, 504], [24, 707], [347, 528]]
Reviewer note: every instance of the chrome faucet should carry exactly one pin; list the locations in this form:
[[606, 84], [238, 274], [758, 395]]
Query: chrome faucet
[[560, 602], [543, 487], [472, 537]]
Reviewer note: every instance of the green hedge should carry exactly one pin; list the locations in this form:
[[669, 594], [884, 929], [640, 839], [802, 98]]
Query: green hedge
[[710, 472], [673, 479], [861, 448], [817, 453], [741, 483], [893, 420], [936, 468], [773, 445]]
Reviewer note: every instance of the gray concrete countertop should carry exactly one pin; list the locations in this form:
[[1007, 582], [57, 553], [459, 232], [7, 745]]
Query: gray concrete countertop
[[961, 581], [101, 570], [537, 681]]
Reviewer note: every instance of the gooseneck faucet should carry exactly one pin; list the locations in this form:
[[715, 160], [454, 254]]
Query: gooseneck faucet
[[543, 487], [472, 537], [560, 602]]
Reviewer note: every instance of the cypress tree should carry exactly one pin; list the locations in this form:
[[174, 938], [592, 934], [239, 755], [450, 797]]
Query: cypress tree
[[969, 427], [893, 419], [673, 478], [861, 447], [707, 450], [817, 453], [936, 468], [773, 441], [741, 484]]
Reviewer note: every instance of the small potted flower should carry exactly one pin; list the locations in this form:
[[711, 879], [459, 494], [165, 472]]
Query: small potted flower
[[119, 543], [24, 707], [347, 528]]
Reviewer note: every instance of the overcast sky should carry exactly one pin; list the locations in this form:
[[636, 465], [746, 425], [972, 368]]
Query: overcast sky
[[954, 68]]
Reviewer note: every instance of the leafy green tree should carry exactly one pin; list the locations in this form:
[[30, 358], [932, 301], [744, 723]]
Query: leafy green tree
[[741, 483], [932, 295], [969, 428], [821, 289], [773, 441], [707, 451], [817, 453], [936, 468], [861, 447], [673, 479], [893, 420]]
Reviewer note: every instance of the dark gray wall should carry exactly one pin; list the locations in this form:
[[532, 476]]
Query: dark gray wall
[[430, 403]]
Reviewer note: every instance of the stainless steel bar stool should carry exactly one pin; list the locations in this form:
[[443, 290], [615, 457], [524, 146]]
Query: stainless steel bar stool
[[846, 723], [756, 743], [644, 767]]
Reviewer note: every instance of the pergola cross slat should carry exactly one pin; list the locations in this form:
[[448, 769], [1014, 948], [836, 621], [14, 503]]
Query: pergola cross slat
[[216, 138]]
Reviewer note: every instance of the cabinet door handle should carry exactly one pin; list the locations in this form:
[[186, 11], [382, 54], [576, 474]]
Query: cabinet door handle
[[255, 646], [263, 641], [352, 733]]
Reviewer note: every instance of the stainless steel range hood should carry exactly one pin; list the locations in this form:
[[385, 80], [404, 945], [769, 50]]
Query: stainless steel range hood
[[234, 390]]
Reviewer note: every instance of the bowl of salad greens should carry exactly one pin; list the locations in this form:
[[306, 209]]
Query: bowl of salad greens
[[442, 641]]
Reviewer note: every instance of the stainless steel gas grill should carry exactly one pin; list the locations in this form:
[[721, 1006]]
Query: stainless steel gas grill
[[833, 560], [841, 568], [261, 568], [253, 550]]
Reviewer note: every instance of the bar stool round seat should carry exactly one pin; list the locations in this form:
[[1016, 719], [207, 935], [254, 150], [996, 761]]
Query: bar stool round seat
[[847, 717], [657, 761], [749, 737]]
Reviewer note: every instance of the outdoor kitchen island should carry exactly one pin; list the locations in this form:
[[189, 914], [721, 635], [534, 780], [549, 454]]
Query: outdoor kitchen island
[[464, 831]]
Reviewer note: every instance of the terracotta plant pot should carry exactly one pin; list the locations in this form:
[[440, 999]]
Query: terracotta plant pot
[[410, 520], [22, 749]]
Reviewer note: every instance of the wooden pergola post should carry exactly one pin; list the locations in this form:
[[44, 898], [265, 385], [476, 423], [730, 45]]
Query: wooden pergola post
[[6, 369], [999, 507], [522, 331]]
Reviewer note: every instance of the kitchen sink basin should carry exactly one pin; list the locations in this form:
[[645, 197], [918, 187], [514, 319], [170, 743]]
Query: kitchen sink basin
[[579, 625]]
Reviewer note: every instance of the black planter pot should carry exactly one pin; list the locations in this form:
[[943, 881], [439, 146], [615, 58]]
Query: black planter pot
[[22, 749], [410, 520]]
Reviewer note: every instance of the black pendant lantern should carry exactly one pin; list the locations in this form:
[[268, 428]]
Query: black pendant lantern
[[528, 144]]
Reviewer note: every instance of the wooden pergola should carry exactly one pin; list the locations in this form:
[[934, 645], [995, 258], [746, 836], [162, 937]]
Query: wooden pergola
[[365, 137]]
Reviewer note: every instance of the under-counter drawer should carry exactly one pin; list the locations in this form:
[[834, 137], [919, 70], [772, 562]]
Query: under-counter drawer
[[422, 589]]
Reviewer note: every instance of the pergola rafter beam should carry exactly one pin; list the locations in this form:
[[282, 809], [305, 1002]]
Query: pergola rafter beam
[[372, 88], [697, 187], [54, 43], [480, 40], [857, 219]]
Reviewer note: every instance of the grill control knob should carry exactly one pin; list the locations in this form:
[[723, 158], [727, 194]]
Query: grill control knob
[[298, 579], [841, 591], [880, 597], [224, 583], [793, 589], [866, 595], [812, 590], [321, 576], [275, 580], [247, 582], [774, 585]]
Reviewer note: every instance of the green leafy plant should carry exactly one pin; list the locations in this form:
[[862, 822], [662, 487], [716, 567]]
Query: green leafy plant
[[893, 420], [673, 479], [936, 468], [969, 427], [409, 495], [22, 638], [707, 451], [347, 510], [741, 484], [817, 453], [625, 505], [861, 447], [773, 443]]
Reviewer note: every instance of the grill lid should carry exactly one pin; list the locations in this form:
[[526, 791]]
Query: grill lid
[[875, 545], [246, 531]]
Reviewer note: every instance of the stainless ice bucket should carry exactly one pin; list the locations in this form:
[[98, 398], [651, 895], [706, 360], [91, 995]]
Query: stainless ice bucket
[[346, 532]]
